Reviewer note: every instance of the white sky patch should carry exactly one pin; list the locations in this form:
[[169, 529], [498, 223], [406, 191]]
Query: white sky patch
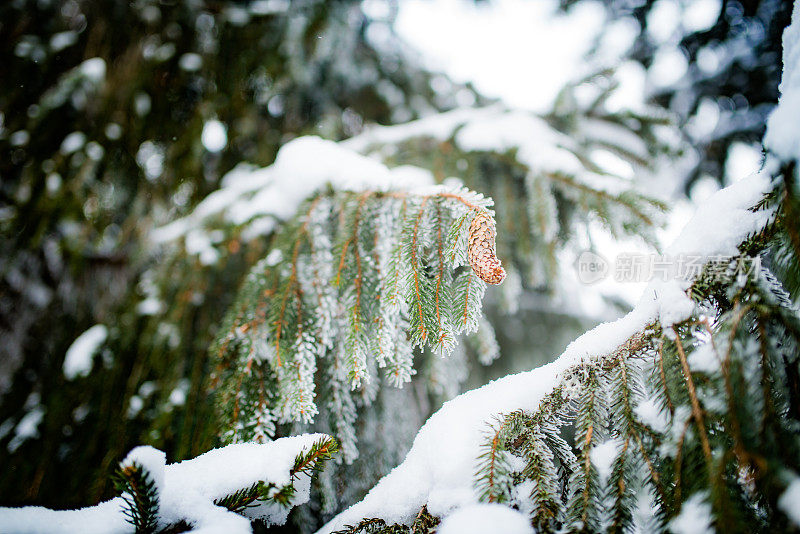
[[78, 361], [214, 136], [517, 50]]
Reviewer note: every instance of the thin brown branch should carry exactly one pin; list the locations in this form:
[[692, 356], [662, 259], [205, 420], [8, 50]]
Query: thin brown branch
[[290, 286], [587, 466], [696, 409], [415, 268], [466, 299], [679, 461], [663, 375], [597, 193], [441, 269]]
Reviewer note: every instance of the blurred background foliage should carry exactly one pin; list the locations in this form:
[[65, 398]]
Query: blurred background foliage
[[728, 70], [117, 117], [101, 139]]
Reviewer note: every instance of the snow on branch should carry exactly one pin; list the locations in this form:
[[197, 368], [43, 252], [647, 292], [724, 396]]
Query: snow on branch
[[438, 470], [632, 430], [352, 284], [222, 490], [580, 166], [554, 174], [259, 198]]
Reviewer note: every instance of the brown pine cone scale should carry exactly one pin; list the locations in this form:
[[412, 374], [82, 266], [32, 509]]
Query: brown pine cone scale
[[481, 250]]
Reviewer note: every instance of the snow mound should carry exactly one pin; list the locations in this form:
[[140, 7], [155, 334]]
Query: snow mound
[[78, 360], [483, 518], [783, 128], [694, 517], [187, 491], [152, 460], [302, 167], [789, 501]]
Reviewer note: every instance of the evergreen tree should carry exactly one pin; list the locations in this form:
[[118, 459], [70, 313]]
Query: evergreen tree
[[681, 416], [122, 116], [356, 279], [91, 262], [366, 264]]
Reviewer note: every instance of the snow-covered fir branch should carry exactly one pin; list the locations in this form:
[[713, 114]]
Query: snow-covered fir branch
[[223, 490], [555, 175], [682, 415], [352, 284]]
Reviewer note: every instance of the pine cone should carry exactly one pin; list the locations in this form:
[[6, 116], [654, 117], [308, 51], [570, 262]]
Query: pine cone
[[481, 251]]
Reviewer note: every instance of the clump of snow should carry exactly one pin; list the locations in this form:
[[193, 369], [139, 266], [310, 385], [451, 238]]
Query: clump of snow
[[440, 127], [483, 518], [701, 14], [190, 62], [438, 470], [538, 145], [704, 359], [27, 428], [214, 136], [78, 360], [303, 166], [602, 456], [152, 460], [694, 517], [716, 229], [105, 518], [62, 40], [150, 306], [789, 501], [19, 138], [94, 69], [652, 415], [187, 491], [783, 128], [73, 142]]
